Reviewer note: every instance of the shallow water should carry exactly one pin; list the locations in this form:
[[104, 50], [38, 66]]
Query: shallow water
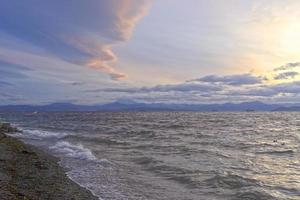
[[172, 155]]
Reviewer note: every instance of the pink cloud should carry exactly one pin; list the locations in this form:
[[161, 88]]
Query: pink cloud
[[128, 15], [125, 16]]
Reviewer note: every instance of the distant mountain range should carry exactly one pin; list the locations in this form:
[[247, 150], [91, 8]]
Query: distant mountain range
[[288, 109], [135, 106]]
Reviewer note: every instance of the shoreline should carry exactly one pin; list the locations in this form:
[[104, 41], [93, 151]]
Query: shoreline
[[28, 173]]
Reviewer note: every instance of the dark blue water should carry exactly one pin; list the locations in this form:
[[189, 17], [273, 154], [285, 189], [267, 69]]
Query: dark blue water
[[172, 155]]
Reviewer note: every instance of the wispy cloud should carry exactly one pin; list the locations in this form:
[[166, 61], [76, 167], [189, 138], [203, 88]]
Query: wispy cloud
[[128, 14], [286, 75], [184, 87], [4, 83], [240, 79], [288, 66], [84, 35]]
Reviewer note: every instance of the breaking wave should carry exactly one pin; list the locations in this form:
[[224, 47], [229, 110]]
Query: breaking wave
[[73, 151], [40, 134]]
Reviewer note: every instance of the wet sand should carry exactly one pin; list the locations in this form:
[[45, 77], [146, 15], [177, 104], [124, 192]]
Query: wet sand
[[29, 174]]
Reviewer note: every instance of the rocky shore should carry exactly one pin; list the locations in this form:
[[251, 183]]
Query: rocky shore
[[29, 174]]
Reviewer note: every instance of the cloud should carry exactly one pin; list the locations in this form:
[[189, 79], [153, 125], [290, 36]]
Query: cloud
[[79, 32], [127, 16], [287, 88], [77, 83], [184, 87], [268, 91], [288, 66], [214, 88], [103, 66], [4, 83], [286, 75], [240, 79], [10, 72], [99, 44]]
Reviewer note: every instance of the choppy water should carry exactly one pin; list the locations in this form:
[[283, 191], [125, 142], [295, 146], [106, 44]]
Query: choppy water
[[173, 155]]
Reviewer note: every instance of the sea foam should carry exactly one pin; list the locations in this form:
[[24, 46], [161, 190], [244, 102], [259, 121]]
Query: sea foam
[[73, 151], [39, 134]]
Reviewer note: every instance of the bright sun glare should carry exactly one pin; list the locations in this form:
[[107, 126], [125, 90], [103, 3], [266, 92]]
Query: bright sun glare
[[291, 39]]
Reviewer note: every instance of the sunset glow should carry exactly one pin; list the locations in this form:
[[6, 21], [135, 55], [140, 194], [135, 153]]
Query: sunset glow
[[130, 45]]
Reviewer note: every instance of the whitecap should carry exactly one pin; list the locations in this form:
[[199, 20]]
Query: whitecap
[[73, 151], [39, 134]]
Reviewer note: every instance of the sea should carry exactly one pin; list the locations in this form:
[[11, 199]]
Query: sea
[[172, 155]]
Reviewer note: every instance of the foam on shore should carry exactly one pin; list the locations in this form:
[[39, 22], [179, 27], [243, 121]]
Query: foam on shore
[[28, 173], [74, 151]]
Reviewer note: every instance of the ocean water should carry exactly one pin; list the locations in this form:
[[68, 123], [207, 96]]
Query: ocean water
[[172, 155]]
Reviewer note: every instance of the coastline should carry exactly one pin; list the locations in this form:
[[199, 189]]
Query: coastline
[[28, 173]]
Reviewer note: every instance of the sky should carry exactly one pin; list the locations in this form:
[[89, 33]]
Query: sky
[[169, 51]]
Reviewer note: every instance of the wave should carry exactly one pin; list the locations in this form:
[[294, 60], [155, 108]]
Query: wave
[[39, 134], [144, 160], [105, 141], [73, 151], [283, 152], [180, 175], [231, 181], [253, 195]]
